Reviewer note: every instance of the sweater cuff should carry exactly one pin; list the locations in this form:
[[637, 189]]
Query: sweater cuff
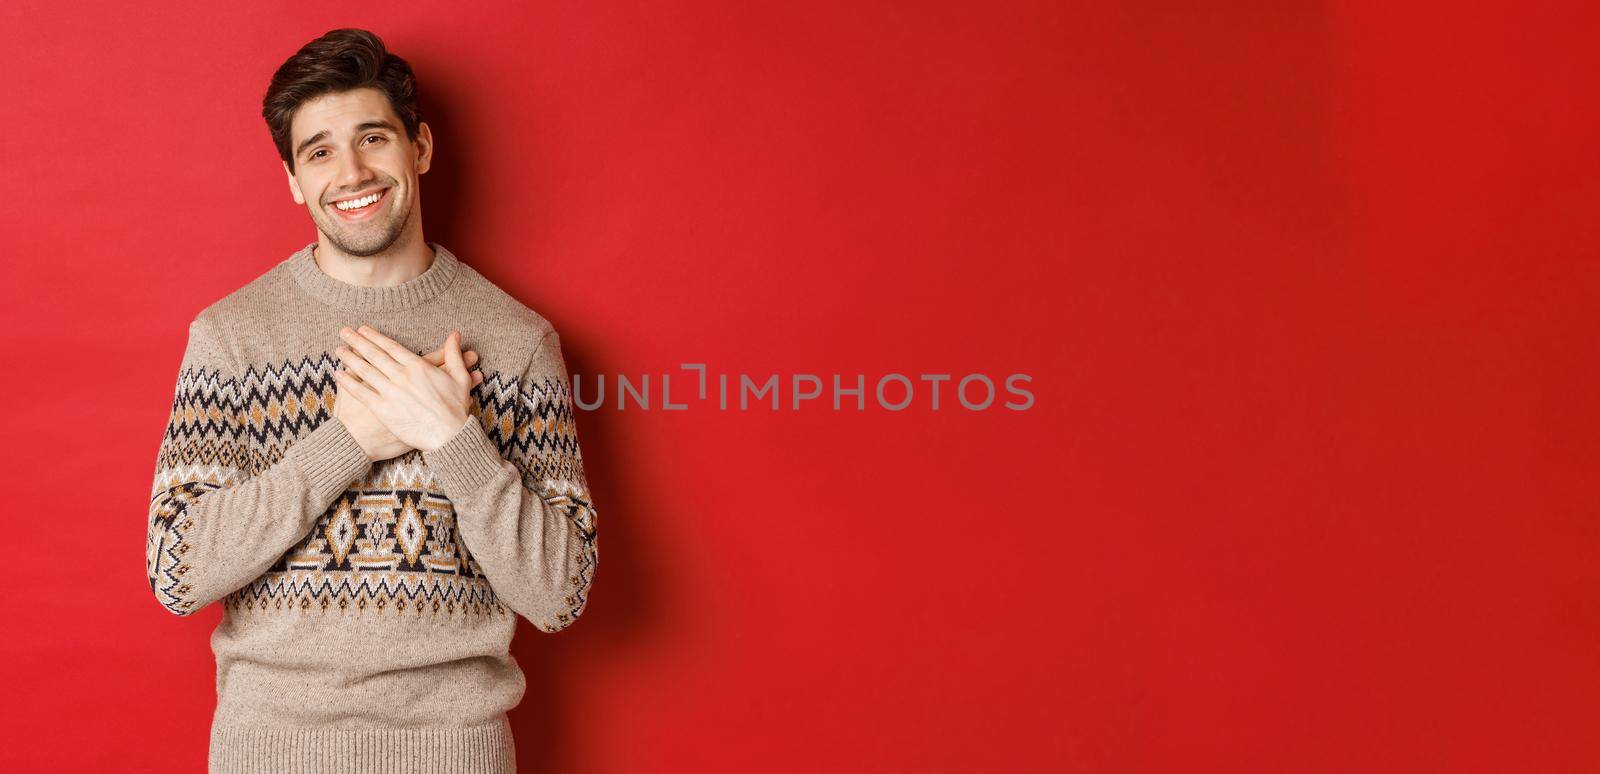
[[330, 458], [465, 462]]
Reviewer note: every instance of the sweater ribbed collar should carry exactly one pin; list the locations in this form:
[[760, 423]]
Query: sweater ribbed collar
[[374, 298]]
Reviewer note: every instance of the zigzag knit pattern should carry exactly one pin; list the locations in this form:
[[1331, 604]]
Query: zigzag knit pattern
[[203, 450], [389, 542]]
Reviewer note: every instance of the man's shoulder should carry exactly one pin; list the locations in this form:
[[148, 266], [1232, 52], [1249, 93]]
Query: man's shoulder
[[501, 328], [492, 302], [264, 295]]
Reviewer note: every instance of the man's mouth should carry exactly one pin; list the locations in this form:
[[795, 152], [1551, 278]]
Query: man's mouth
[[360, 206]]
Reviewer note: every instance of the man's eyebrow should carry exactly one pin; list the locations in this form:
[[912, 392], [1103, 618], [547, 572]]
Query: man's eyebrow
[[312, 140], [365, 125], [361, 127]]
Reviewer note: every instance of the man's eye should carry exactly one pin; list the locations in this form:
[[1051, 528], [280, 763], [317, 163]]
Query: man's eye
[[375, 137], [316, 153]]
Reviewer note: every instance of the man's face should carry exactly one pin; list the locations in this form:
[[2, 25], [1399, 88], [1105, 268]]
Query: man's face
[[348, 148]]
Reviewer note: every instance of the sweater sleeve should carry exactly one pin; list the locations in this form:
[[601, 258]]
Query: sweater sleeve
[[216, 523], [525, 513]]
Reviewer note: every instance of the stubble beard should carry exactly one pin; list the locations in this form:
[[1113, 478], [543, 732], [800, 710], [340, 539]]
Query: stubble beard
[[365, 239]]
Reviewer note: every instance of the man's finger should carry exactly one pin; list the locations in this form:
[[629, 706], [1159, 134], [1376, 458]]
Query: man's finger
[[453, 363], [371, 352], [436, 357], [343, 369], [355, 389], [400, 354], [370, 374]]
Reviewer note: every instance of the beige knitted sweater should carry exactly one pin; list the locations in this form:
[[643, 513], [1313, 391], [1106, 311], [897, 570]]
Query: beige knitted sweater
[[367, 607]]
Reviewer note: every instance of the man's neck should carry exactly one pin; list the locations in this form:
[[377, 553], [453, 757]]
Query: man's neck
[[400, 263]]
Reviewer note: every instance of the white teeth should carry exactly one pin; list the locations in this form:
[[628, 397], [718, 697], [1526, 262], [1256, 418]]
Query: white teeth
[[355, 204]]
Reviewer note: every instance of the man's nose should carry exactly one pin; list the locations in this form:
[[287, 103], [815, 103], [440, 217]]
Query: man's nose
[[353, 171]]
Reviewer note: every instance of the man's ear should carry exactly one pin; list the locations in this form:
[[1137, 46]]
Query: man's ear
[[424, 143], [294, 185]]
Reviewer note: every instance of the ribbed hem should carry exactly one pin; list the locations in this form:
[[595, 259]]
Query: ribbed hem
[[330, 458], [303, 267], [465, 462], [485, 749]]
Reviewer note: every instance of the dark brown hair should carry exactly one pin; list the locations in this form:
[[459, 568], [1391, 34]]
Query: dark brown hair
[[340, 60]]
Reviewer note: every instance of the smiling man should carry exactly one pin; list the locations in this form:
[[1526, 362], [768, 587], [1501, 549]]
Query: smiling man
[[365, 209], [373, 515]]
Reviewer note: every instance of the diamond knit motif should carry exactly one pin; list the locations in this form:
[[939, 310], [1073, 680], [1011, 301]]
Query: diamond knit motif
[[390, 538]]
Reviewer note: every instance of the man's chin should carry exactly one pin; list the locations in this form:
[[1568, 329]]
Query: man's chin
[[360, 247]]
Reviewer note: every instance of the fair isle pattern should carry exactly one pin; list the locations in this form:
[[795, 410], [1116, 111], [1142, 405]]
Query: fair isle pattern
[[203, 450], [389, 543], [576, 507], [284, 402], [361, 592], [540, 431]]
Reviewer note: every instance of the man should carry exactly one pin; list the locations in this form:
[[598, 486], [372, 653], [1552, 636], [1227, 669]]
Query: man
[[372, 519]]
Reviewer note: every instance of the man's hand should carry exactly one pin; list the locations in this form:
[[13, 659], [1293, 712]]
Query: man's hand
[[423, 405], [371, 433]]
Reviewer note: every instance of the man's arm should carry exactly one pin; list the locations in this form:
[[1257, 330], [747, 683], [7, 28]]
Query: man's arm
[[215, 523], [528, 519]]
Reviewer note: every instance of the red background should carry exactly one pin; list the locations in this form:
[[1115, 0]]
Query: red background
[[1307, 294]]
